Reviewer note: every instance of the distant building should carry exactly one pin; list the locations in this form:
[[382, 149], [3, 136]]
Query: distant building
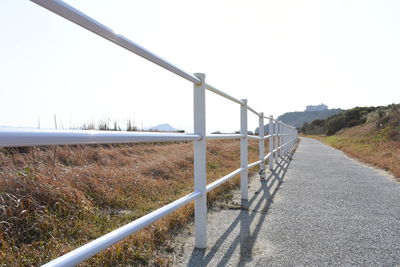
[[320, 107]]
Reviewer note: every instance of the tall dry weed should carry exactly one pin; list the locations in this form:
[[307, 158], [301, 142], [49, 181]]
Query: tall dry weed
[[47, 210]]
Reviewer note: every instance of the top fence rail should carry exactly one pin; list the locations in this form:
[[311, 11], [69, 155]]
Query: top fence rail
[[72, 14]]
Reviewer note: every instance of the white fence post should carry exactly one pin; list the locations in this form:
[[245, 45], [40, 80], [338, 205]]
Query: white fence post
[[261, 149], [276, 140], [200, 205], [288, 138], [244, 151], [283, 139], [271, 143], [280, 138], [291, 132]]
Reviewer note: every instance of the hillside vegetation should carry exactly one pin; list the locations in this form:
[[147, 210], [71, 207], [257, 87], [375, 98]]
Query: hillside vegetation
[[55, 199], [298, 118], [333, 124], [371, 134]]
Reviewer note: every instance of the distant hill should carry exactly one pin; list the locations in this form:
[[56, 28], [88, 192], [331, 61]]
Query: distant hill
[[298, 118], [165, 127]]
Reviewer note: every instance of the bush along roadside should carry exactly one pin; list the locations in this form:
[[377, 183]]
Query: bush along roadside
[[384, 118]]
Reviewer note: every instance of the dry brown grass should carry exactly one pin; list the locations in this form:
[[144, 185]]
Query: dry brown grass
[[49, 207], [364, 142]]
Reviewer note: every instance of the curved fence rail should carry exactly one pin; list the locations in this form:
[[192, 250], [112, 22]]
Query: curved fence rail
[[282, 139]]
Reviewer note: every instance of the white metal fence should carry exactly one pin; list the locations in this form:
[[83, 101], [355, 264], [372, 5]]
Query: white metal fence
[[282, 139]]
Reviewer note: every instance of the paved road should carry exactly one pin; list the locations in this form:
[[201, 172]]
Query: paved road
[[320, 209]]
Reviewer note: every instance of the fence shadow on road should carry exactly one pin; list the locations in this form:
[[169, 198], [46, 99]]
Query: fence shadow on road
[[256, 205]]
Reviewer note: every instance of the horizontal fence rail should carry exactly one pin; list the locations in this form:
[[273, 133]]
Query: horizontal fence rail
[[92, 248], [224, 136], [10, 138], [70, 13], [281, 137]]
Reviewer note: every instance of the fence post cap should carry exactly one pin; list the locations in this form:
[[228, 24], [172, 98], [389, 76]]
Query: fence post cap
[[200, 75]]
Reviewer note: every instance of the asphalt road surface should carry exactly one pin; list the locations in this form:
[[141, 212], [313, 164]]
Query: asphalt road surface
[[319, 209]]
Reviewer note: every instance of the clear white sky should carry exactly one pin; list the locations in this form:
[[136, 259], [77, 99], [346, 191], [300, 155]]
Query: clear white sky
[[281, 55]]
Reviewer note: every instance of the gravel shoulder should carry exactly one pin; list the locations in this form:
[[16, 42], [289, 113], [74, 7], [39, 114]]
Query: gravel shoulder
[[319, 209]]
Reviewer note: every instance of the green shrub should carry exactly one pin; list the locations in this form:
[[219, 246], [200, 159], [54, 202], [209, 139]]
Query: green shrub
[[387, 120], [335, 123]]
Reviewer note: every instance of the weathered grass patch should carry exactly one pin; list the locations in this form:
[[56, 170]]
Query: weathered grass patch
[[49, 206]]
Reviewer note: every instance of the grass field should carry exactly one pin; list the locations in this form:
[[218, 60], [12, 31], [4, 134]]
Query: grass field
[[54, 199]]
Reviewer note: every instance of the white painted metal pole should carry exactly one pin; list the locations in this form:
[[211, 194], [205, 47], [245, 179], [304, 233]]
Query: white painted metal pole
[[284, 140], [200, 205], [223, 136], [90, 249], [279, 139], [252, 110], [38, 137], [244, 151], [74, 15], [293, 136], [276, 141], [223, 179], [291, 132], [261, 149], [271, 143], [223, 94]]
